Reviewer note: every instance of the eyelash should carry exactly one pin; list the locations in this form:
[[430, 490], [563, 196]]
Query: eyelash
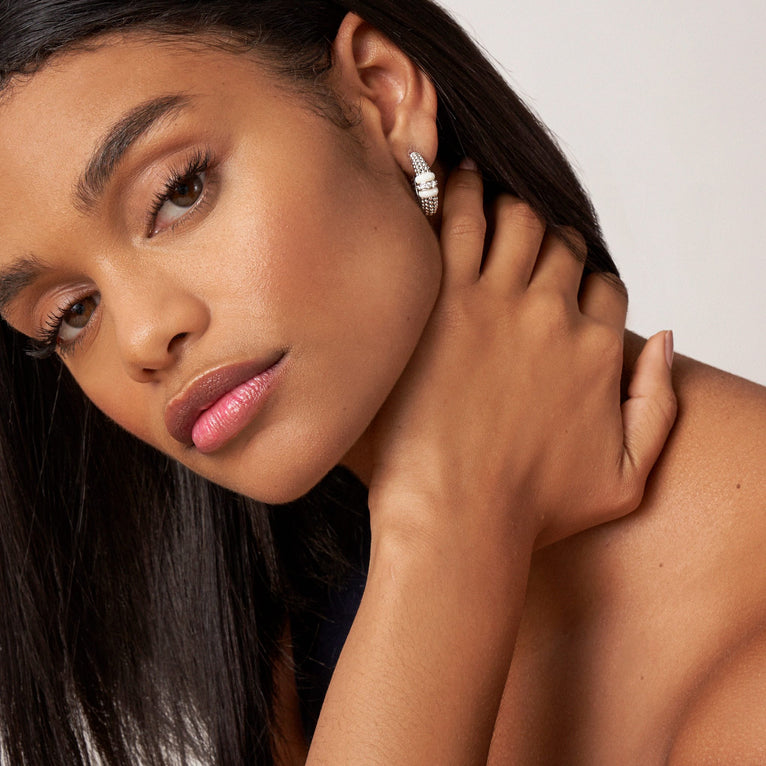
[[49, 343], [197, 164]]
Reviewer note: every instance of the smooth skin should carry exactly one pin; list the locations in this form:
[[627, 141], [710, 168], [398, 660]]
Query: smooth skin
[[302, 243], [450, 545], [397, 386]]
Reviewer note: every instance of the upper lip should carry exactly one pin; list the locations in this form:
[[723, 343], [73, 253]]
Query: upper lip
[[202, 392]]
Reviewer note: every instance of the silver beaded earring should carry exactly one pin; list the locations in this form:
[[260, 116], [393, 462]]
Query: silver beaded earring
[[425, 184]]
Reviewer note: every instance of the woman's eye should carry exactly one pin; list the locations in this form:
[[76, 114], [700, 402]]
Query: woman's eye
[[178, 199], [76, 317]]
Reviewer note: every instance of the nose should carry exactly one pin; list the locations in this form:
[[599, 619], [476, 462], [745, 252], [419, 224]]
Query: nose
[[154, 323]]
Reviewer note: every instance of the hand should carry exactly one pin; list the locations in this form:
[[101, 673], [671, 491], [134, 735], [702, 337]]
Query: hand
[[509, 411], [504, 431]]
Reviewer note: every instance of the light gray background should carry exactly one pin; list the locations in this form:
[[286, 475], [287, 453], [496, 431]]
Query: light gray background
[[661, 108]]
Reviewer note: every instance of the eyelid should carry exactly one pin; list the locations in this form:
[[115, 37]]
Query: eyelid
[[196, 161], [45, 341]]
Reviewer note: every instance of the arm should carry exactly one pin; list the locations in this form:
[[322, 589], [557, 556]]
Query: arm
[[505, 432]]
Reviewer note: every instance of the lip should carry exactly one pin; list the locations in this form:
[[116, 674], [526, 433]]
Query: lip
[[214, 407]]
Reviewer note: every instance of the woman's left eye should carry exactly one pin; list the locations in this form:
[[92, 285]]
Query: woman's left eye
[[177, 199], [75, 318], [65, 328]]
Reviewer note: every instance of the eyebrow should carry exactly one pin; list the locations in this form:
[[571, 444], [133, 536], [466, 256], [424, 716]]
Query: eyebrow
[[116, 142], [16, 278], [90, 186]]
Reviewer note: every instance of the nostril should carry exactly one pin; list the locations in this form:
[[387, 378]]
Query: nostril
[[176, 339]]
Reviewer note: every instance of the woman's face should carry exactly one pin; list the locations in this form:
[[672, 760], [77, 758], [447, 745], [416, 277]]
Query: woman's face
[[182, 222]]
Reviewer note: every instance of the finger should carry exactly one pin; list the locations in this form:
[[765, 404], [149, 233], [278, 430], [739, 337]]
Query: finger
[[516, 241], [650, 410], [558, 267], [463, 225], [603, 297]]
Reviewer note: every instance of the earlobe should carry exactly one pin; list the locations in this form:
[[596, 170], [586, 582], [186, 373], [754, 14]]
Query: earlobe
[[393, 93]]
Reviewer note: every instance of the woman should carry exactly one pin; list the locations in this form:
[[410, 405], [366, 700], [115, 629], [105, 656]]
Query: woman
[[151, 615]]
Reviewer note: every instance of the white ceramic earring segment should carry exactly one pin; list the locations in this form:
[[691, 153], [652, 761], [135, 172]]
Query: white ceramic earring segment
[[426, 186]]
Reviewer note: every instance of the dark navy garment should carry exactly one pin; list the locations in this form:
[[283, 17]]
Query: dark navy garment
[[325, 549], [318, 640]]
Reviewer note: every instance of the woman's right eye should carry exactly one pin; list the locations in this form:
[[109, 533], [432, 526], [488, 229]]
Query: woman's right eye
[[178, 200], [184, 194]]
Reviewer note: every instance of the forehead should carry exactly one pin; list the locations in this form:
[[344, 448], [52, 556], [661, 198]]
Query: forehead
[[68, 102], [52, 121]]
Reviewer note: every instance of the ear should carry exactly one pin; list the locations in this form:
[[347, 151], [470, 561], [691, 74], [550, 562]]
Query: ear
[[397, 100]]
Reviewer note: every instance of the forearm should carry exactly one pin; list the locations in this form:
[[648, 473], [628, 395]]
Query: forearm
[[421, 675], [504, 431]]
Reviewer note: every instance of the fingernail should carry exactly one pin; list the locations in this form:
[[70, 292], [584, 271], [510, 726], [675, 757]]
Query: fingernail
[[669, 348], [468, 164]]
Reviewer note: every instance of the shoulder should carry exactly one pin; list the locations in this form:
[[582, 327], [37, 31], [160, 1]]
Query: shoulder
[[726, 722], [710, 488], [705, 502], [718, 446], [721, 430]]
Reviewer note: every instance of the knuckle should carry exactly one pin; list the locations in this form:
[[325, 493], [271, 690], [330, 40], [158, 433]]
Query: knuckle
[[668, 406], [630, 496], [550, 314], [611, 342], [625, 492], [661, 412], [605, 342], [614, 282], [467, 183], [513, 211], [466, 226], [452, 317]]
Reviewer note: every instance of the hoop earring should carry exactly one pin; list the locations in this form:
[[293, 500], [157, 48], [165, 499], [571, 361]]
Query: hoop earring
[[426, 186]]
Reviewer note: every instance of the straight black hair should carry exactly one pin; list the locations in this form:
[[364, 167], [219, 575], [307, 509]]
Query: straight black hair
[[143, 608]]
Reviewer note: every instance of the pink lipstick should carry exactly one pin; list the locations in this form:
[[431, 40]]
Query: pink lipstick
[[218, 405]]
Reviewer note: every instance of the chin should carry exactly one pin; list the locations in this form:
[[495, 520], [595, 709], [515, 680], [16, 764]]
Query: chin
[[282, 480], [284, 495], [290, 479], [286, 456]]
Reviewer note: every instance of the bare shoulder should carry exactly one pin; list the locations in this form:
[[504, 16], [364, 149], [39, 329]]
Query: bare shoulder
[[718, 445], [707, 494], [726, 724], [710, 489]]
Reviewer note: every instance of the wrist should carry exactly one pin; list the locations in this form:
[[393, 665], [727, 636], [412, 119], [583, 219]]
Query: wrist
[[440, 523], [461, 550]]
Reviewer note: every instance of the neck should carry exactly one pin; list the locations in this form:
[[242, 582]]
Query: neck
[[359, 458]]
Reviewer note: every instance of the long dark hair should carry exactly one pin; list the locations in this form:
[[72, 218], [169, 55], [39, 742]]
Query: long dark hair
[[143, 608]]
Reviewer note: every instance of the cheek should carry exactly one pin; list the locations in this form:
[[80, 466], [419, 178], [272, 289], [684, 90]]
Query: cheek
[[343, 274], [365, 296], [360, 257], [351, 310], [365, 322], [102, 377], [126, 405]]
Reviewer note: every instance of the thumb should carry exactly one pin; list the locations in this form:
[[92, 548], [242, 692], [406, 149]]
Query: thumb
[[650, 410]]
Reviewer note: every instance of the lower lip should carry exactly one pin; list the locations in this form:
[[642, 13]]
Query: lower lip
[[233, 412]]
